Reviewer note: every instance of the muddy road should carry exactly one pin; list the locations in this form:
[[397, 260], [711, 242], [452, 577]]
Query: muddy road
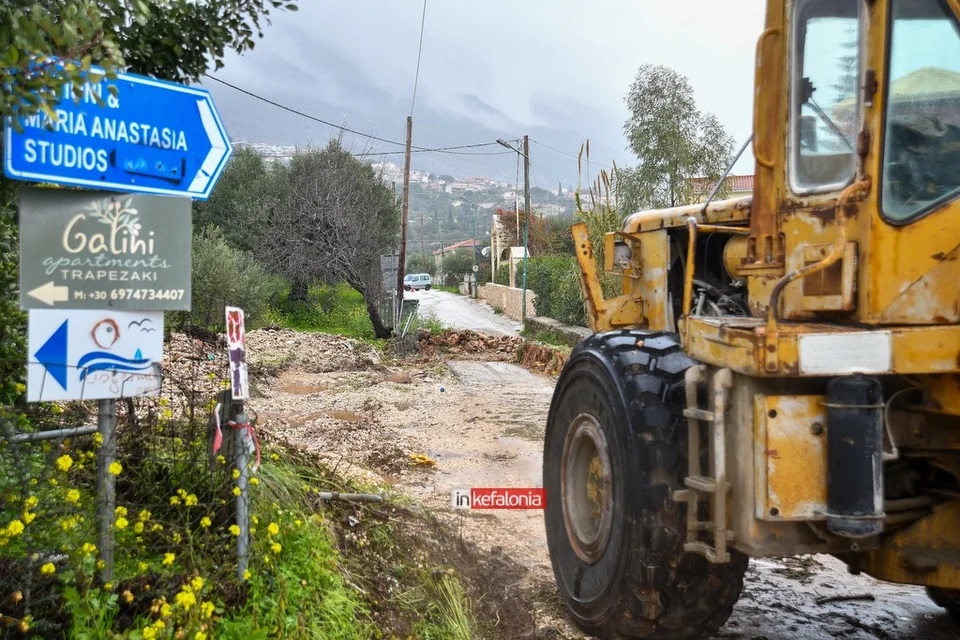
[[431, 426]]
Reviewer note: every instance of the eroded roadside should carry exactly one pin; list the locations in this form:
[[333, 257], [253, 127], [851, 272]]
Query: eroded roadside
[[430, 424]]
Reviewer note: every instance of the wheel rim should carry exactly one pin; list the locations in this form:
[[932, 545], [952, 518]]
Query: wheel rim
[[586, 488]]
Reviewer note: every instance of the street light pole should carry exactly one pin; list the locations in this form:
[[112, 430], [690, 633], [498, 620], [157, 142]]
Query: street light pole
[[526, 219]]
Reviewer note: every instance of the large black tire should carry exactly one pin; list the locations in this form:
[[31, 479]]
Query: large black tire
[[615, 449], [949, 599]]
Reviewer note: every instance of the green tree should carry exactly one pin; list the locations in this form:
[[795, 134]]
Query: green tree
[[223, 275], [420, 264], [333, 220], [245, 190], [673, 140]]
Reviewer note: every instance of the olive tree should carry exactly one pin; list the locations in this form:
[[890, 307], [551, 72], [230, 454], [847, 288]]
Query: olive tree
[[674, 142], [331, 221]]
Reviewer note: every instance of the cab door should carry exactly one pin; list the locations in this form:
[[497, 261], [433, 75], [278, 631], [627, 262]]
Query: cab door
[[910, 272]]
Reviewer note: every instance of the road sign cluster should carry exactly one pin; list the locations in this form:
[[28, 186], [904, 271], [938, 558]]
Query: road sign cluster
[[98, 268]]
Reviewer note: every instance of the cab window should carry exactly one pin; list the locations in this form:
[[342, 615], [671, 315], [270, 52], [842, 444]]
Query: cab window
[[825, 100], [921, 154]]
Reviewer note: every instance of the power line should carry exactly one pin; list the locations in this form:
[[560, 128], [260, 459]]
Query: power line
[[416, 77], [451, 150], [569, 155]]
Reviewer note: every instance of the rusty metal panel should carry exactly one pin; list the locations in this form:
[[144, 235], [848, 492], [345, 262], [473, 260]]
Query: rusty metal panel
[[927, 552], [790, 457]]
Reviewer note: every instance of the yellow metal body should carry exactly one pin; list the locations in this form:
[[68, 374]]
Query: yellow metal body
[[832, 287]]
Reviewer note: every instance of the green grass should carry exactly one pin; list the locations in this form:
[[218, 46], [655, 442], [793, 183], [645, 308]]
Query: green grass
[[547, 337], [441, 287], [336, 309]]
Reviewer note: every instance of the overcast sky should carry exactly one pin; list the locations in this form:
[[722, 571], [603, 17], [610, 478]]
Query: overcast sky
[[510, 52]]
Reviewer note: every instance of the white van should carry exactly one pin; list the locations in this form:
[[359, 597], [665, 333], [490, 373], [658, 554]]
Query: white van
[[414, 281]]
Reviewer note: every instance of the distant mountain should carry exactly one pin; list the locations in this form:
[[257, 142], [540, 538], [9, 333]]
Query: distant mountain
[[332, 87]]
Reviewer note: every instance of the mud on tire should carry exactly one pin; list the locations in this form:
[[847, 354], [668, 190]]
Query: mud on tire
[[615, 448]]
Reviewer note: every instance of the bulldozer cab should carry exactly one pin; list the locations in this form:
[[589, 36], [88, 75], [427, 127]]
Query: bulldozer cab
[[850, 92]]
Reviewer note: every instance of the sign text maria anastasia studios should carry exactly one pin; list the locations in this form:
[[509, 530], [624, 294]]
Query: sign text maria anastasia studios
[[101, 250]]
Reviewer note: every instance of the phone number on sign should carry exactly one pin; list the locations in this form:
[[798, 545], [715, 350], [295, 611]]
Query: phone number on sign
[[138, 294]]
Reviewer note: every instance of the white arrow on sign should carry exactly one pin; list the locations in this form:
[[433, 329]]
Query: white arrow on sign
[[218, 149], [50, 293]]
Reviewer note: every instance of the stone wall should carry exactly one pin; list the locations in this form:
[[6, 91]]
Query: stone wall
[[508, 299], [569, 334]]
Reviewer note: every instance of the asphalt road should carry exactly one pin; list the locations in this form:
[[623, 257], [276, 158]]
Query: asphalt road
[[460, 312]]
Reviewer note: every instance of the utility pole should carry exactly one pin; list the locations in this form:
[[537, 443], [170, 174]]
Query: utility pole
[[402, 262], [526, 224]]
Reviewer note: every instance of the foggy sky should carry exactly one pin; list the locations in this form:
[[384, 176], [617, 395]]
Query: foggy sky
[[515, 53]]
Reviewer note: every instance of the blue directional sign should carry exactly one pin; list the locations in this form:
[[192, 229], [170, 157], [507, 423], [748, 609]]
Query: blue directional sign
[[145, 136]]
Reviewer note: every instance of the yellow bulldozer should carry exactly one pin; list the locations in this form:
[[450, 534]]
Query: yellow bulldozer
[[781, 372]]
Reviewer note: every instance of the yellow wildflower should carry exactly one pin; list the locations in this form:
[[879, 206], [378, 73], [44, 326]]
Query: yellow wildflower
[[177, 538], [53, 482], [98, 437], [186, 599], [88, 548], [15, 528], [234, 529], [236, 473], [207, 609], [190, 500], [174, 500], [221, 460], [276, 547], [254, 480], [205, 522], [143, 566], [121, 523], [164, 611], [199, 635], [28, 517], [156, 528], [101, 564], [138, 527], [25, 625], [48, 569], [274, 456], [273, 529], [236, 491], [144, 516], [246, 574], [115, 468], [120, 512], [182, 493], [73, 496], [64, 463], [197, 583], [298, 522], [168, 558], [149, 633], [108, 586], [30, 503], [127, 596]]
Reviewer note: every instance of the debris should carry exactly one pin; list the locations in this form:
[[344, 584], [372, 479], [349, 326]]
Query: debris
[[850, 597], [350, 497], [420, 460]]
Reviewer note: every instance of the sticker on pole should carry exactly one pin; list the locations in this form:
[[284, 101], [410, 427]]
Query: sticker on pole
[[236, 347], [93, 355]]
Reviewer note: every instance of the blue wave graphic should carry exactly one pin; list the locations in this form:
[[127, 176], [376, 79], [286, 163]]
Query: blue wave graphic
[[105, 361]]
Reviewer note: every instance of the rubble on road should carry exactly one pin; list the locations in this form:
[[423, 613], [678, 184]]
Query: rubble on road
[[469, 345]]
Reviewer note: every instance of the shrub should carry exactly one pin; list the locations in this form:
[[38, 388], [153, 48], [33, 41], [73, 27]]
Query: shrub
[[556, 281], [502, 276], [224, 276], [12, 321]]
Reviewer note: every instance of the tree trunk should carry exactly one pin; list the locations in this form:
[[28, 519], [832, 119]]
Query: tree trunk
[[379, 329], [299, 291]]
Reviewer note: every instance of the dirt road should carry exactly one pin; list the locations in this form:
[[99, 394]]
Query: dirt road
[[458, 312], [482, 423]]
